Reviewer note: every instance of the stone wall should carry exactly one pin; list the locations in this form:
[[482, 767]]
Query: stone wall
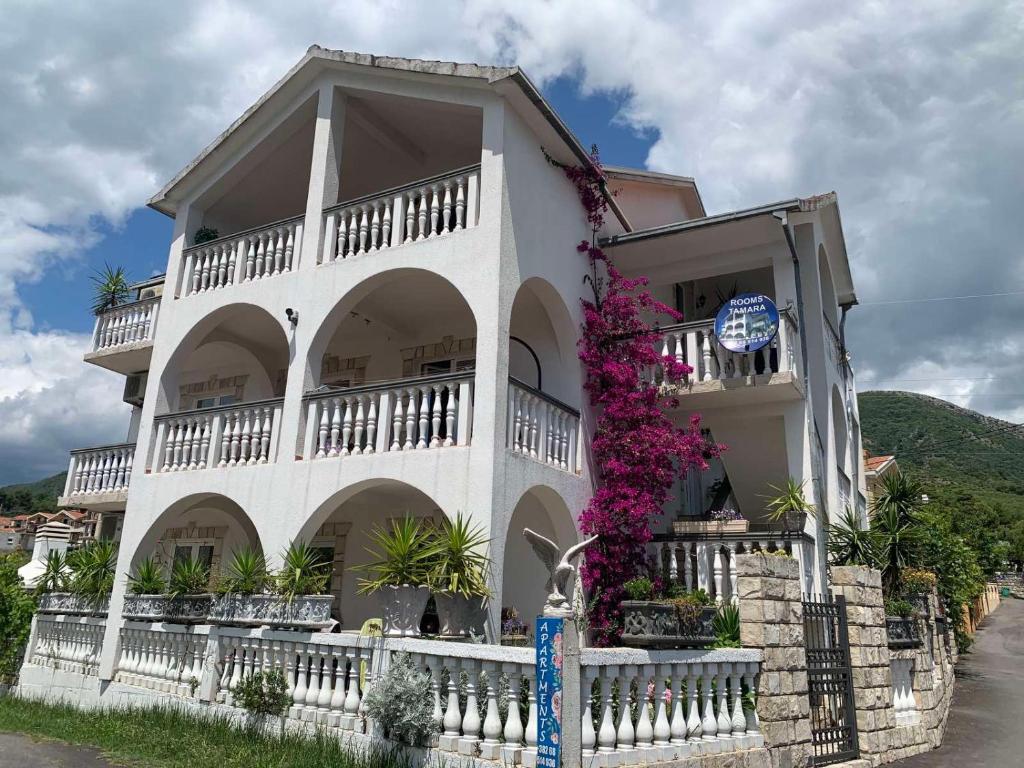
[[771, 619]]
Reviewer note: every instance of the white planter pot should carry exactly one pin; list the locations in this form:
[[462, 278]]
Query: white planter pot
[[402, 609], [460, 616]]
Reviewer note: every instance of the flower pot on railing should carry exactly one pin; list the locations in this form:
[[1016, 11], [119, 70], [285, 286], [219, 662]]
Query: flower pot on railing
[[186, 609], [902, 632], [402, 609], [70, 604], [710, 526], [650, 624], [460, 616], [299, 612]]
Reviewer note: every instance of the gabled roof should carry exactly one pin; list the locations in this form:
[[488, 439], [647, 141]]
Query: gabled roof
[[876, 464], [318, 59]]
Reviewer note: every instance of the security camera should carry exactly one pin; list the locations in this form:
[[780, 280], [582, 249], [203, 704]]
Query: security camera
[[292, 315]]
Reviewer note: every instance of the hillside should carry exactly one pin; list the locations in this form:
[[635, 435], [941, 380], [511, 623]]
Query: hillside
[[40, 496], [972, 463]]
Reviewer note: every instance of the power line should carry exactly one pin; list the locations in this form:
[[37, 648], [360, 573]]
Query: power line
[[939, 298]]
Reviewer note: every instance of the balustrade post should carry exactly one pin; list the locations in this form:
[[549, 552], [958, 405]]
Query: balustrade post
[[449, 740], [490, 747], [662, 728], [464, 430], [588, 740], [625, 736]]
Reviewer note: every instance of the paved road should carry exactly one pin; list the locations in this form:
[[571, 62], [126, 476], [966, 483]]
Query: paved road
[[985, 721], [17, 751]]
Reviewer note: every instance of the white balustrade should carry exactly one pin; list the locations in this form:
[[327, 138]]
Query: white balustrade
[[69, 643], [124, 325], [694, 344], [542, 428], [167, 658], [95, 471], [404, 415], [252, 255], [228, 436], [419, 211], [903, 702]]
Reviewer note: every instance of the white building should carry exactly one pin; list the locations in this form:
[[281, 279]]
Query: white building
[[394, 292]]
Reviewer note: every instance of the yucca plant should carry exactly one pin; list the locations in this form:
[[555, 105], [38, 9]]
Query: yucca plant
[[188, 577], [148, 578], [110, 288], [55, 573], [894, 526], [304, 572], [788, 500], [849, 544], [461, 566], [92, 569], [246, 574], [404, 556], [727, 626]]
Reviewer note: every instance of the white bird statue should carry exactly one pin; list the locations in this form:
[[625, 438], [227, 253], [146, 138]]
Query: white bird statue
[[559, 569]]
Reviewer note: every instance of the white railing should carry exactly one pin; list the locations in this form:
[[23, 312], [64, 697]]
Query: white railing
[[694, 344], [127, 324], [227, 436], [541, 427], [162, 657], [255, 254], [418, 211], [93, 471], [707, 560], [70, 643], [402, 415]]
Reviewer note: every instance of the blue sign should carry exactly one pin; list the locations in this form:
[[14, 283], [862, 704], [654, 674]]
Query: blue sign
[[549, 691], [747, 323]]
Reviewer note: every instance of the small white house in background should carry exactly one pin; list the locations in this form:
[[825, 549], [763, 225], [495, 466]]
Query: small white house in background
[[386, 324]]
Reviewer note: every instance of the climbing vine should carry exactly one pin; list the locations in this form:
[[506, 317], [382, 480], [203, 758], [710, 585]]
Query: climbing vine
[[638, 452]]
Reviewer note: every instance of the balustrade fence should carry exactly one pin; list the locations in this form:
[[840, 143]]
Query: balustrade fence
[[694, 344], [415, 212], [255, 254], [162, 657], [404, 415], [93, 471], [543, 428], [69, 643], [226, 436], [127, 324]]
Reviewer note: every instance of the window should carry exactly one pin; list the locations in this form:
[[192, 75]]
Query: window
[[213, 402], [447, 366], [201, 551]]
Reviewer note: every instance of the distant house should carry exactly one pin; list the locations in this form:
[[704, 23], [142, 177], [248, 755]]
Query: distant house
[[876, 469], [19, 532]]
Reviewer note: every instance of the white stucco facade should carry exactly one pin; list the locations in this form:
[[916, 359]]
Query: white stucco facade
[[467, 306]]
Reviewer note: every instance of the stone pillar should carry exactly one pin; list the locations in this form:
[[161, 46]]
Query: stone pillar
[[869, 658], [771, 619]]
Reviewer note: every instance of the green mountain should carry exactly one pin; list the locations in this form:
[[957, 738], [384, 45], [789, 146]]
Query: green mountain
[[40, 496], [970, 463]]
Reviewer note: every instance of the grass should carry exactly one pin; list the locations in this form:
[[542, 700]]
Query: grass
[[162, 737]]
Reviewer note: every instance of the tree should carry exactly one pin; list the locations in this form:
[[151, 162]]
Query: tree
[[894, 518], [16, 608], [110, 288]]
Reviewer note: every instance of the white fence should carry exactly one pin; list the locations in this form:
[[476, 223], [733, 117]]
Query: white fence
[[94, 471], [70, 643], [543, 428], [125, 325]]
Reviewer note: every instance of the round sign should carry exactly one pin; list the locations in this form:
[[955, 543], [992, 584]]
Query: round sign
[[747, 322]]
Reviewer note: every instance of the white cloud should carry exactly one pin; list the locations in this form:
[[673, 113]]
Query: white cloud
[[912, 113]]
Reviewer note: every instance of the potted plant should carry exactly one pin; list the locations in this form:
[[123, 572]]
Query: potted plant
[[718, 521], [901, 623], [458, 577], [188, 596], [399, 573], [110, 288], [514, 631], [789, 506], [917, 586], [88, 576], [668, 620], [146, 600], [295, 602]]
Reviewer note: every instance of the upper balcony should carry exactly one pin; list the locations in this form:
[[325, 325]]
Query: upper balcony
[[122, 339]]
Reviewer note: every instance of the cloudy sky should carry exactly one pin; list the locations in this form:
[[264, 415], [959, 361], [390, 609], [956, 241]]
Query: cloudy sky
[[913, 113]]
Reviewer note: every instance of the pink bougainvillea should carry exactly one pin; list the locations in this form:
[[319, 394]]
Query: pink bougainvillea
[[638, 452]]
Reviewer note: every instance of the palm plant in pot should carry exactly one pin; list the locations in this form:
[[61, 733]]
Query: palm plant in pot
[[458, 577], [789, 505], [188, 596], [146, 599], [400, 573], [91, 577]]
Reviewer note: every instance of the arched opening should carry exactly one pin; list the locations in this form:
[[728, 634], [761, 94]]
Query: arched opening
[[209, 528], [341, 531], [524, 578], [237, 354], [542, 352], [829, 306]]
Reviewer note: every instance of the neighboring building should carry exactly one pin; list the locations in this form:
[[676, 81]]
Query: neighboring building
[[876, 469], [386, 324], [19, 532]]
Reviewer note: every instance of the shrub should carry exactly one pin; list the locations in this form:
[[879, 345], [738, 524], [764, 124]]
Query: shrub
[[148, 578], [917, 581], [400, 703], [263, 694], [727, 627], [899, 607], [16, 608], [640, 588]]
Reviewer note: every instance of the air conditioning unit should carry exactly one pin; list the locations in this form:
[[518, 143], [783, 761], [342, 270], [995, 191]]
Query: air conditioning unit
[[135, 388]]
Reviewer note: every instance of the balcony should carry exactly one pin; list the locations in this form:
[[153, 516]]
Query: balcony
[[98, 478], [721, 378], [123, 338], [414, 212], [542, 428]]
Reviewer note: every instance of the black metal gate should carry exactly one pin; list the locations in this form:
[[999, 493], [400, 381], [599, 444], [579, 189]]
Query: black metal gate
[[830, 681]]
